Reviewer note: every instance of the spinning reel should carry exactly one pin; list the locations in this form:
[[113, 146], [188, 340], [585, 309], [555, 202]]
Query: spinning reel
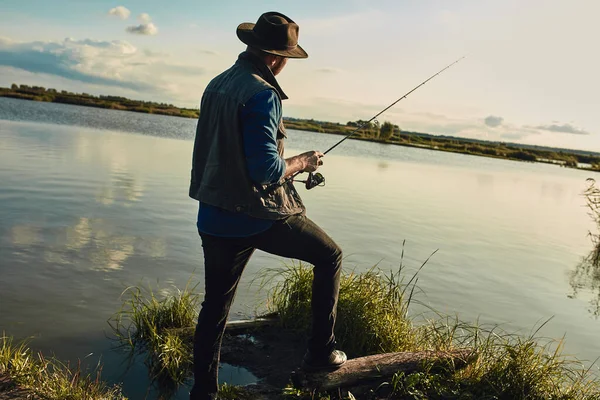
[[313, 180]]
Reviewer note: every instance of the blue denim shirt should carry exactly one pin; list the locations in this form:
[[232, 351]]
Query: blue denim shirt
[[260, 118]]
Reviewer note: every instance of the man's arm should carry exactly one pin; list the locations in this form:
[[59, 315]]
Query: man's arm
[[305, 162], [260, 121]]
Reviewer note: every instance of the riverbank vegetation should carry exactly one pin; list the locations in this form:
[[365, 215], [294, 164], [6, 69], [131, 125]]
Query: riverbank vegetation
[[585, 278], [38, 93], [49, 378], [373, 131], [373, 317]]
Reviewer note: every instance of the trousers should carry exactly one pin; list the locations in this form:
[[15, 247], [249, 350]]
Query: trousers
[[295, 237]]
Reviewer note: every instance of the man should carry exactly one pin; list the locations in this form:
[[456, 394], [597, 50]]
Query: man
[[239, 176]]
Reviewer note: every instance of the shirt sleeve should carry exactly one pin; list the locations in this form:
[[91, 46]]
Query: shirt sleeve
[[260, 118]]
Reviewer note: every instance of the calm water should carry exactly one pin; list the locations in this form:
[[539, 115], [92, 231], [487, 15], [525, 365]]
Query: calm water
[[92, 201]]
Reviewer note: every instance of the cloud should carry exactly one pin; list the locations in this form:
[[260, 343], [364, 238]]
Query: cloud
[[5, 40], [208, 52], [565, 128], [328, 70], [110, 63], [143, 29], [120, 12], [144, 18], [493, 121], [85, 60]]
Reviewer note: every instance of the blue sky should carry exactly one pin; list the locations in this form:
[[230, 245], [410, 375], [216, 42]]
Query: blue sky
[[529, 76]]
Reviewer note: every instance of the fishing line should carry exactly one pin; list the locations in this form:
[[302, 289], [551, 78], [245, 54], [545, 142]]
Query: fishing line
[[317, 179]]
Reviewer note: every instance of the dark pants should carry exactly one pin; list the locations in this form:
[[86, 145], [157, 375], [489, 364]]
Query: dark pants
[[224, 261]]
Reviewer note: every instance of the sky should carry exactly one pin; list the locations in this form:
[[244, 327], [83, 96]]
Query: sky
[[530, 74]]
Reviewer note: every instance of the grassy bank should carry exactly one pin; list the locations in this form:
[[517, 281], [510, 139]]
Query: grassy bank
[[373, 317], [49, 378], [37, 93]]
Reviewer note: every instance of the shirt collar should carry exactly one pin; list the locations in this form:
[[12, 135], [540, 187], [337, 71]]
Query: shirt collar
[[263, 71]]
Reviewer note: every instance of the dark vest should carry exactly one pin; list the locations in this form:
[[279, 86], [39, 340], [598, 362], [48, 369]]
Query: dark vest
[[219, 173]]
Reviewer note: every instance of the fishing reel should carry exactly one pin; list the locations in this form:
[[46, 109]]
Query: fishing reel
[[314, 180]]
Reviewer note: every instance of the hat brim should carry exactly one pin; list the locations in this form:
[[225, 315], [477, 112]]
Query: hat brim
[[246, 34]]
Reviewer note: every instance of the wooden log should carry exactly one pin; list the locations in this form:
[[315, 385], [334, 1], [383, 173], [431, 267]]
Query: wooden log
[[233, 327], [239, 327], [358, 370]]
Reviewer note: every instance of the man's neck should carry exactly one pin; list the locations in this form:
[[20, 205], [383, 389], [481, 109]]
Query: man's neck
[[264, 71]]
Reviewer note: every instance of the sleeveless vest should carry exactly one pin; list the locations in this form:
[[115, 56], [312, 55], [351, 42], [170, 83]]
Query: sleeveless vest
[[219, 174]]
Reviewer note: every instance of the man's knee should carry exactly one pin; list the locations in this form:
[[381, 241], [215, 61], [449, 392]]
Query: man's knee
[[332, 256]]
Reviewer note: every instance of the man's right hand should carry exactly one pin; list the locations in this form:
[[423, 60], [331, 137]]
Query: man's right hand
[[312, 160], [305, 162]]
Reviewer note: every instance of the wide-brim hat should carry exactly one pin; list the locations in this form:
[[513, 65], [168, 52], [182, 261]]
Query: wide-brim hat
[[273, 33]]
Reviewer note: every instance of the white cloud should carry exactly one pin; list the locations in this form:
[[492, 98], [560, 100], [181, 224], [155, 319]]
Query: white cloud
[[328, 70], [208, 52], [143, 29], [120, 12], [565, 128], [116, 64], [144, 18], [5, 40], [493, 121]]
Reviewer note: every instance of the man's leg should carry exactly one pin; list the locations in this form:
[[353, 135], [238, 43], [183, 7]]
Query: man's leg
[[224, 262], [300, 238]]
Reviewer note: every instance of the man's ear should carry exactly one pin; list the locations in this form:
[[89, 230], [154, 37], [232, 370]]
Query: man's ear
[[270, 60]]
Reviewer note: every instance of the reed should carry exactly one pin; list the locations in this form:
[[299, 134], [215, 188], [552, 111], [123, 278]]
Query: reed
[[50, 378]]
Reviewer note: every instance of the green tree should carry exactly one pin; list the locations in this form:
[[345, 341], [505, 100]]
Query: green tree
[[387, 130]]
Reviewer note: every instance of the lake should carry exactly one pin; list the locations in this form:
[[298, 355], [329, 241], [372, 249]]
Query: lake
[[93, 201]]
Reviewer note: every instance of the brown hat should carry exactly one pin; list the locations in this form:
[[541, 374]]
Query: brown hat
[[273, 33]]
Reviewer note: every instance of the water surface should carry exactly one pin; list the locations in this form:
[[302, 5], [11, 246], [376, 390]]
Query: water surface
[[93, 201]]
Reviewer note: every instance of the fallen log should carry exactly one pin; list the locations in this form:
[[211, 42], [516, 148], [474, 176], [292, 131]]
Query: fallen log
[[232, 327], [238, 327], [358, 370]]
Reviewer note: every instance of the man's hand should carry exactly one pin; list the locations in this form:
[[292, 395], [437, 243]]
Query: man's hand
[[312, 159], [305, 162]]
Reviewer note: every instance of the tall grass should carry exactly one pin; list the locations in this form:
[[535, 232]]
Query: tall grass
[[48, 377], [586, 275], [153, 326], [592, 196], [160, 328], [373, 317], [372, 307]]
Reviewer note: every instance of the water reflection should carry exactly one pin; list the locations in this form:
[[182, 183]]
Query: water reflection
[[25, 235], [383, 165], [88, 243], [123, 188], [585, 281], [485, 180]]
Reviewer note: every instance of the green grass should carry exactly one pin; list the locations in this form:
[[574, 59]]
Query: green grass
[[50, 378], [153, 326], [372, 307], [373, 317]]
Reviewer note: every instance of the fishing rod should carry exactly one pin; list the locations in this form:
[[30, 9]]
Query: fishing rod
[[317, 179]]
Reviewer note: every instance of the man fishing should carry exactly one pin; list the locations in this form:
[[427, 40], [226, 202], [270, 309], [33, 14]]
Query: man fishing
[[240, 178]]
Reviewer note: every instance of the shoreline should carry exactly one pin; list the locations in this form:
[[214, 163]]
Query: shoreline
[[575, 159]]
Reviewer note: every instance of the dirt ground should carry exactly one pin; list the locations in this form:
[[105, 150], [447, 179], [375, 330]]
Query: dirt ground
[[272, 355]]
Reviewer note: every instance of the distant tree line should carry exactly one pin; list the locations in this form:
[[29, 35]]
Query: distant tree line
[[39, 93], [368, 130]]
